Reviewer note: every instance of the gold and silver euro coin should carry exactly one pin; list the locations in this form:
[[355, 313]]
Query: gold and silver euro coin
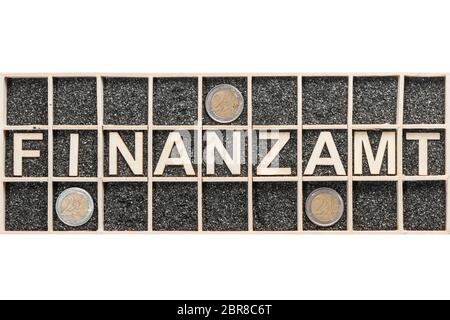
[[74, 207], [324, 207], [224, 103]]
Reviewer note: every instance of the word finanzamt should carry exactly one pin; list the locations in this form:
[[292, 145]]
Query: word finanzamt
[[175, 153]]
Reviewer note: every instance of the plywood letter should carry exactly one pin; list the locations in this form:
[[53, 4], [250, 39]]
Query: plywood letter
[[213, 143], [387, 141], [19, 153], [135, 163], [263, 168], [73, 156], [423, 138], [325, 139], [174, 139]]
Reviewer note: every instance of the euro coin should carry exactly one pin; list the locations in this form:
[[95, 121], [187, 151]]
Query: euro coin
[[224, 103], [74, 207], [324, 207]]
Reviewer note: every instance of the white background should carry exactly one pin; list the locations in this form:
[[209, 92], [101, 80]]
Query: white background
[[224, 36]]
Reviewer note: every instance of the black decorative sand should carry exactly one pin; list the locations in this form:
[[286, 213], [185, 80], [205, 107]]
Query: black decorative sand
[[225, 207], [125, 101], [375, 100], [325, 100], [424, 100], [424, 205], [275, 206], [175, 206], [374, 206], [75, 101], [175, 101], [274, 100], [26, 206], [126, 206], [27, 101]]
